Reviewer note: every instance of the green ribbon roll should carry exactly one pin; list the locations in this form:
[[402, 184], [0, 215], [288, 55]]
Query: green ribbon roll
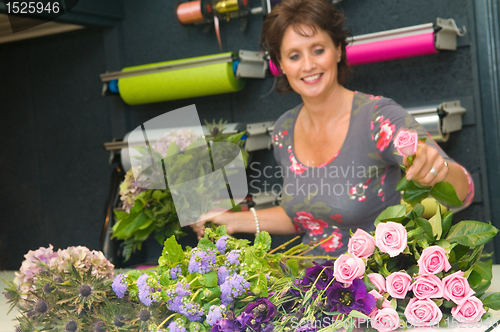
[[203, 80]]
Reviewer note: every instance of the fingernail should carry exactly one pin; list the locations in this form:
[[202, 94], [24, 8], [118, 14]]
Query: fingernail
[[409, 176]]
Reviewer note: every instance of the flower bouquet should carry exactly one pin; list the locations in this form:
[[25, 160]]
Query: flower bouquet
[[409, 272], [146, 210]]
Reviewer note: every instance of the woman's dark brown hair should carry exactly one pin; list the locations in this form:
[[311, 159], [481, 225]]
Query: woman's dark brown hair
[[317, 14]]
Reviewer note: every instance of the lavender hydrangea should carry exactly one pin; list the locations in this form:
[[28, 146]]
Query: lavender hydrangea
[[215, 314], [223, 273], [176, 296], [176, 326], [119, 286], [145, 294], [202, 261], [234, 286], [222, 243], [175, 272], [233, 257]]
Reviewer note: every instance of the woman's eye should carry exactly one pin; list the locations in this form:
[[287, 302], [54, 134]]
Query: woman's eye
[[319, 51], [294, 57]]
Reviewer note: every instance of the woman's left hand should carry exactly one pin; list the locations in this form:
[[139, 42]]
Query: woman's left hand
[[428, 166]]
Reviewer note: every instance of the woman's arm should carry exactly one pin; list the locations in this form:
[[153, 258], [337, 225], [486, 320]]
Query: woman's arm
[[428, 158], [273, 220]]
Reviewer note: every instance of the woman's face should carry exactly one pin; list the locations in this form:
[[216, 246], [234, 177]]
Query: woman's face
[[310, 62]]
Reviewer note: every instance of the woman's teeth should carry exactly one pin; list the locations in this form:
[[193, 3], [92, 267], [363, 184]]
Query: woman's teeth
[[311, 78]]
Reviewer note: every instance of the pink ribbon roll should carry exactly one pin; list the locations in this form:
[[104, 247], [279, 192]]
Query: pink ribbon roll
[[391, 49]]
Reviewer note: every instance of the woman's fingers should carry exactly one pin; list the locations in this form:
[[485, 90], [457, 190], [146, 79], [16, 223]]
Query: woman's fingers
[[428, 167]]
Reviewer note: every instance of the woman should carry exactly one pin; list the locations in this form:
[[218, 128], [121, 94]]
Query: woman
[[336, 149]]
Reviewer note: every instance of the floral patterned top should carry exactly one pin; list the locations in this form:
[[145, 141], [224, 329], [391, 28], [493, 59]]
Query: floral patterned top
[[351, 189]]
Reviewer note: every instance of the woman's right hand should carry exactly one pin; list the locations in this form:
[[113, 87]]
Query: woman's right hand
[[214, 216]]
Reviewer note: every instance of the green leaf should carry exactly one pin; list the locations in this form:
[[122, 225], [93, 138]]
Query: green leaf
[[395, 211], [480, 277], [131, 226], [471, 233], [435, 221], [445, 193], [159, 194], [446, 219], [459, 251], [492, 301], [415, 193], [357, 314], [294, 266], [426, 225], [417, 211], [403, 183], [263, 241], [449, 304], [221, 230], [172, 253], [209, 279]]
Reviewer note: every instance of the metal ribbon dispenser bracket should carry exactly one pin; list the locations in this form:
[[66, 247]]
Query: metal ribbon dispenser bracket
[[186, 78], [213, 11], [440, 120], [403, 43]]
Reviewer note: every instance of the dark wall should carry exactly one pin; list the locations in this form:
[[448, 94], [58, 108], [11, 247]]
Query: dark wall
[[55, 170], [54, 121]]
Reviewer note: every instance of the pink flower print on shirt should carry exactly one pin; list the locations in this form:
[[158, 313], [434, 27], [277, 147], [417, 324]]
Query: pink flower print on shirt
[[358, 191], [337, 217], [307, 221], [384, 136], [296, 167], [333, 243]]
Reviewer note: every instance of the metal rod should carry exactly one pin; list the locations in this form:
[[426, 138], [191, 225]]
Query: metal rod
[[189, 63]]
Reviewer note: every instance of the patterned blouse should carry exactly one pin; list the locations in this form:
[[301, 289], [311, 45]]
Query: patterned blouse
[[351, 189]]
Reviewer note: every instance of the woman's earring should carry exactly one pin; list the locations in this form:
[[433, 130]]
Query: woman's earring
[[283, 72]]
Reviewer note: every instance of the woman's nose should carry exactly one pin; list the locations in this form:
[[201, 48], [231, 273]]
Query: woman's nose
[[308, 63]]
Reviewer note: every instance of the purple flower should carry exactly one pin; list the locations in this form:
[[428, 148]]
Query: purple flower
[[316, 272], [215, 314], [224, 325], [234, 286], [176, 327], [261, 312], [202, 261], [175, 272], [222, 274], [144, 290], [119, 286], [233, 257], [354, 297], [221, 244]]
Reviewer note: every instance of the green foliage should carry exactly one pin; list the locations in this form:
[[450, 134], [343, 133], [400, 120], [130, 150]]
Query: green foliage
[[153, 211]]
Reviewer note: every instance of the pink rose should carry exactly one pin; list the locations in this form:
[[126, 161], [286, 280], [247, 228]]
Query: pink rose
[[347, 268], [471, 310], [377, 281], [361, 244], [391, 238], [423, 313], [433, 260], [406, 142], [427, 287], [398, 284], [456, 288], [385, 319]]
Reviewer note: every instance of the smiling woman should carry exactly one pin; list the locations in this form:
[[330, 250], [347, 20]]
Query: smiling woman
[[333, 128]]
